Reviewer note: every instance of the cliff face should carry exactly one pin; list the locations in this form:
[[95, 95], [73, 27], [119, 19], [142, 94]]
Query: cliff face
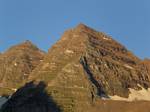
[[17, 63], [85, 64], [64, 74], [146, 64]]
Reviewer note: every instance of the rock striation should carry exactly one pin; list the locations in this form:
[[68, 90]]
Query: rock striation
[[83, 67], [17, 63], [85, 64]]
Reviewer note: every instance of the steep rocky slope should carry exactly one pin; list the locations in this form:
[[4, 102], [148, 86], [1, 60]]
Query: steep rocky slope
[[84, 65], [17, 63], [82, 72], [146, 63]]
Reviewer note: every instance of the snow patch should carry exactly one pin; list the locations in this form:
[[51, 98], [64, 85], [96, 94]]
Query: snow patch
[[15, 64], [127, 66], [25, 74], [69, 51], [14, 89], [105, 38], [134, 95], [105, 65]]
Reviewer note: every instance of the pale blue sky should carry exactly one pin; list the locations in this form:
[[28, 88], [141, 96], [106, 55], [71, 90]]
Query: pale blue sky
[[44, 21]]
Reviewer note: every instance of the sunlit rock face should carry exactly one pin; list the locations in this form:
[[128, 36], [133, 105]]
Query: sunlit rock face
[[146, 63], [84, 65], [16, 64], [84, 68]]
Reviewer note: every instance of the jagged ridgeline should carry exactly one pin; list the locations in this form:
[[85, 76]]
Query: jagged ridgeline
[[83, 66]]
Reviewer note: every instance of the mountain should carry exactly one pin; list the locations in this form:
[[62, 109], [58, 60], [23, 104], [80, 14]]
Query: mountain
[[17, 63], [85, 71], [85, 65]]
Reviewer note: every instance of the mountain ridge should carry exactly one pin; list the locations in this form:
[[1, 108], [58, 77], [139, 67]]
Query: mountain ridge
[[17, 62], [84, 66], [105, 67]]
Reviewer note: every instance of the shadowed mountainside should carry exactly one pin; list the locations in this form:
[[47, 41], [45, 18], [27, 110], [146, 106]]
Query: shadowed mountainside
[[31, 98]]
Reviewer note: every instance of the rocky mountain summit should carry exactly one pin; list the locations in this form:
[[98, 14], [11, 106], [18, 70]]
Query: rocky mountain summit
[[17, 63], [85, 64], [83, 67]]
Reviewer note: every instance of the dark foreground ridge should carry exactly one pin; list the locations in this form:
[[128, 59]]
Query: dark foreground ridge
[[31, 98]]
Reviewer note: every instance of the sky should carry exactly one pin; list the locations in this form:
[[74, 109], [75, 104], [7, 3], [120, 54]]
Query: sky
[[44, 21]]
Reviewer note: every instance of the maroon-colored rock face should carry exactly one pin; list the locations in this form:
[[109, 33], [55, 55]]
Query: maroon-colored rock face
[[80, 69], [90, 61]]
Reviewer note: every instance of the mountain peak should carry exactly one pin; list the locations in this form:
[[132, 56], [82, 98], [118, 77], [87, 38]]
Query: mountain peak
[[21, 59], [24, 45], [93, 62], [83, 27], [28, 42], [83, 66]]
